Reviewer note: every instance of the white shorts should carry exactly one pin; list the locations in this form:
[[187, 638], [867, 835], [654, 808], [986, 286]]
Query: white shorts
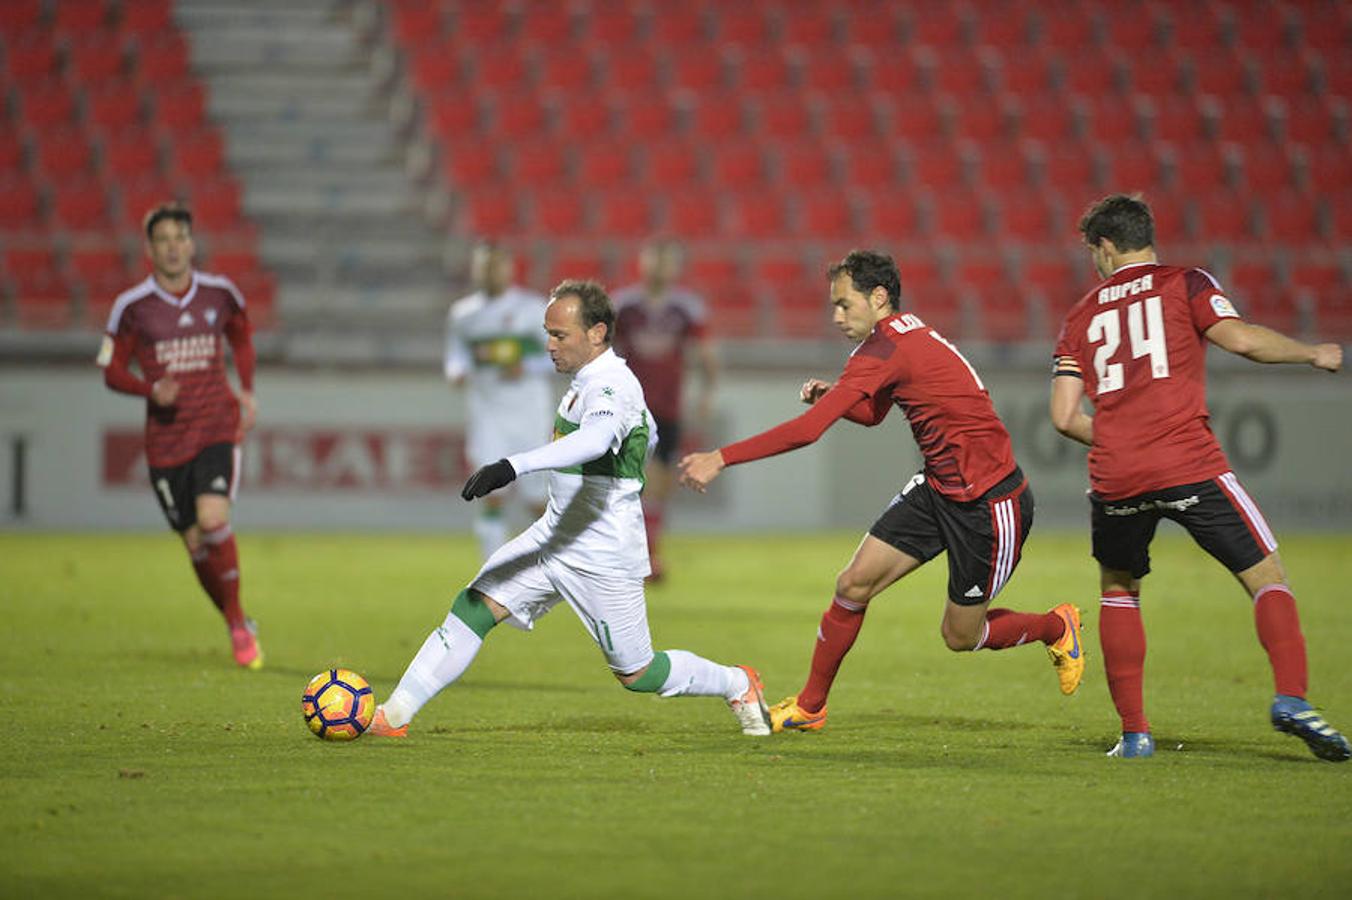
[[529, 581]]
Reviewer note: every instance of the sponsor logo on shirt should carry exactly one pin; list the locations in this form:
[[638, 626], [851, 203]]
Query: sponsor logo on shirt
[[186, 354], [1223, 307]]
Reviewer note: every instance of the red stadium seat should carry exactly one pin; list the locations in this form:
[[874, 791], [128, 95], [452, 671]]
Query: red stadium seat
[[1052, 118], [1069, 172], [46, 104], [19, 16], [1199, 168], [1242, 121], [480, 23], [958, 215], [113, 106], [758, 214], [1292, 217], [80, 17], [547, 25], [935, 303], [42, 312], [537, 165], [848, 123], [610, 26], [1224, 216], [18, 204], [62, 154], [1068, 27], [1309, 121], [499, 67], [1058, 281], [1027, 73], [829, 214], [79, 205], [1274, 308], [452, 115], [895, 73], [603, 165], [692, 215], [1092, 72], [672, 166], [579, 265], [717, 118], [1328, 169], [260, 297], [30, 56], [1194, 27], [915, 118], [738, 165], [984, 123], [1220, 72], [830, 74], [937, 165], [181, 107], [677, 25], [129, 156], [489, 210], [937, 26], [1333, 315], [583, 120], [1139, 35], [33, 272], [813, 28], [1265, 167], [518, 116], [870, 169], [959, 72], [146, 18], [564, 70], [100, 273], [1249, 278], [413, 23], [1132, 169], [872, 27], [745, 26], [1317, 277], [1026, 216], [559, 213], [95, 56], [701, 72], [197, 154], [1174, 119], [468, 163], [804, 166], [1338, 77], [140, 197], [763, 70], [432, 68], [218, 206], [630, 70], [11, 151], [894, 216], [1009, 31], [162, 59], [1003, 167], [649, 119], [1264, 29], [624, 212], [785, 117]]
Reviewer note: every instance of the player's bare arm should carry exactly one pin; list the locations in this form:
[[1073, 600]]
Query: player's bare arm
[[248, 410], [1067, 411], [698, 470], [1264, 345]]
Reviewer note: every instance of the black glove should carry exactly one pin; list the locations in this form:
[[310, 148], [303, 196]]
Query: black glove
[[488, 479]]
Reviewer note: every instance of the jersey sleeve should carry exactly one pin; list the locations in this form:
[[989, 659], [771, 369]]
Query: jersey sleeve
[[873, 366], [239, 333], [1207, 300], [457, 361], [604, 406], [1064, 358], [797, 432], [115, 357]]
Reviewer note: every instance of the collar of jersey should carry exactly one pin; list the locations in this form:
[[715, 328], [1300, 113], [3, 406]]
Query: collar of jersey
[[600, 364], [170, 298]]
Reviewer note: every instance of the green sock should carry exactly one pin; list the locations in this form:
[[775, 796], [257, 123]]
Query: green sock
[[470, 608], [654, 676]]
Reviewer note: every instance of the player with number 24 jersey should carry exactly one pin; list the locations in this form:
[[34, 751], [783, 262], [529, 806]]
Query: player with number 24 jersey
[[1150, 422]]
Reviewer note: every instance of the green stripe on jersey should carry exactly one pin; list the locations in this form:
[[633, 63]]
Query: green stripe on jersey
[[504, 349], [627, 463]]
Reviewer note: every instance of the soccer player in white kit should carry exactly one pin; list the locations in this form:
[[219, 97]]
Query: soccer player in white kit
[[588, 550], [494, 349]]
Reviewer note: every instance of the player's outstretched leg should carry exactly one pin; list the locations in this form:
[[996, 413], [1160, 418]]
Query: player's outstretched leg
[[789, 715], [441, 660], [1295, 716], [680, 673], [1067, 653], [999, 629]]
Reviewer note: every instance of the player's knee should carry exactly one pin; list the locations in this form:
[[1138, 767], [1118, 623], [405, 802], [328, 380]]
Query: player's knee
[[854, 588], [956, 639]]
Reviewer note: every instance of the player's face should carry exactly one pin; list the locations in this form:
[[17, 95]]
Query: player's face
[[570, 345], [854, 312], [170, 249], [491, 269], [659, 264]]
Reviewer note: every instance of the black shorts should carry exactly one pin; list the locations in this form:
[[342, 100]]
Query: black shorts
[[668, 440], [984, 537], [212, 471], [1219, 514]]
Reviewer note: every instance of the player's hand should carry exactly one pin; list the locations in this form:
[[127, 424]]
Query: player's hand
[[248, 411], [488, 479], [165, 391], [813, 389], [698, 470], [1328, 357]]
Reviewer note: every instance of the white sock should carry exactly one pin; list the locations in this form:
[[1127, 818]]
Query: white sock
[[443, 658], [695, 676], [491, 530]]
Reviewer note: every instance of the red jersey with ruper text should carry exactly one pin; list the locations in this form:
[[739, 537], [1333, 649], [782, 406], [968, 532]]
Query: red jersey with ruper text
[[906, 364], [184, 337], [1137, 341]]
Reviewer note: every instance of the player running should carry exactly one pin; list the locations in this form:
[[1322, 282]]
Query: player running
[[971, 499], [657, 324], [172, 325], [588, 549], [494, 350], [1134, 345]]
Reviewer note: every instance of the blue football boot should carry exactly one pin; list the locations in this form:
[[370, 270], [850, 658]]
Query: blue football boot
[[1134, 745], [1296, 716]]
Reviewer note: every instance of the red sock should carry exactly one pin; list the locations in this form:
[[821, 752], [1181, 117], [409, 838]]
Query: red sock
[[216, 563], [1007, 628], [835, 636], [1122, 638], [1274, 611]]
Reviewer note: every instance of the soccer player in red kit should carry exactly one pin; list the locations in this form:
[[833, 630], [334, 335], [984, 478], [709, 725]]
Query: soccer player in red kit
[[971, 499], [656, 324], [1136, 346], [174, 325]]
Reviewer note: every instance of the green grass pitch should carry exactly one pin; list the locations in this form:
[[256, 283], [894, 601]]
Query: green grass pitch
[[139, 762]]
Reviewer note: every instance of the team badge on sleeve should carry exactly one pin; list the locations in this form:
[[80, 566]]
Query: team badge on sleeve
[[105, 352], [1223, 307]]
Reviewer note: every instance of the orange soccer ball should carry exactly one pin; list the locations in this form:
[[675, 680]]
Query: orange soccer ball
[[338, 705]]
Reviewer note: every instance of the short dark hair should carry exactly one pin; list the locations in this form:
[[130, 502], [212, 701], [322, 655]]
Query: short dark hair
[[1124, 220], [174, 212], [869, 269], [594, 304]]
